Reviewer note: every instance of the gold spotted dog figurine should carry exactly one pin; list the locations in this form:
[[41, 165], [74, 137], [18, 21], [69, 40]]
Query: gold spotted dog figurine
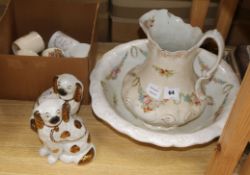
[[66, 87], [63, 135], [69, 89]]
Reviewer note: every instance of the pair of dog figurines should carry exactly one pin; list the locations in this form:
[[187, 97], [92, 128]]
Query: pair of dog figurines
[[61, 130]]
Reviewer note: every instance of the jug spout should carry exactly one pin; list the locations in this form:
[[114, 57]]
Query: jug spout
[[168, 31]]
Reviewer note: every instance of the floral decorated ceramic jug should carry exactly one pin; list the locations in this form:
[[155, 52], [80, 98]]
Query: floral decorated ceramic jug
[[164, 91]]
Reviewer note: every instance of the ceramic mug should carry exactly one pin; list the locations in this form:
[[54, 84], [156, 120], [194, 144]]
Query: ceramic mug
[[26, 53], [32, 42], [62, 41], [80, 50], [53, 52]]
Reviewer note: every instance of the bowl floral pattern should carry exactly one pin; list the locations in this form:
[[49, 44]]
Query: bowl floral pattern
[[105, 89]]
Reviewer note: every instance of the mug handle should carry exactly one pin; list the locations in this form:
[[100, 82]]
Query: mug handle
[[216, 36]]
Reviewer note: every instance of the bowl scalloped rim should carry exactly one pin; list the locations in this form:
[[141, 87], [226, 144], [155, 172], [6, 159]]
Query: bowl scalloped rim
[[104, 111]]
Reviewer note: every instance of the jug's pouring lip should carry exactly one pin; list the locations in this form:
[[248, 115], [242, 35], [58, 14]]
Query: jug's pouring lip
[[144, 22], [152, 43]]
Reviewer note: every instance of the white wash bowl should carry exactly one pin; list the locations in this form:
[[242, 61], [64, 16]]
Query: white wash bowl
[[105, 89]]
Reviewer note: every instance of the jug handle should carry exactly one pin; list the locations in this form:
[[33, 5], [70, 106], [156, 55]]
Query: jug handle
[[216, 36]]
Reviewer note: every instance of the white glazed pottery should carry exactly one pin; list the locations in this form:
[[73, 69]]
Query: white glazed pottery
[[64, 136], [62, 41], [164, 91], [32, 41], [26, 53], [53, 52], [106, 87], [54, 117], [66, 87], [80, 50]]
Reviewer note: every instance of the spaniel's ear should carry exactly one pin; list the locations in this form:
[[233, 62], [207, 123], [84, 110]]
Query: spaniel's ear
[[38, 120], [33, 125], [65, 112], [78, 93], [55, 87]]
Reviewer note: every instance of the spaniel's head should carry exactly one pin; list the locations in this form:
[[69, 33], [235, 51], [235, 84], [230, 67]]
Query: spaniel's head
[[68, 87], [51, 113]]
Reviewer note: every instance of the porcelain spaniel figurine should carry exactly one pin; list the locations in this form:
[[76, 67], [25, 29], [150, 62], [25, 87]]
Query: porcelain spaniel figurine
[[63, 135], [66, 87]]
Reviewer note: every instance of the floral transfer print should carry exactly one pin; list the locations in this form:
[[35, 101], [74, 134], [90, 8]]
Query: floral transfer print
[[114, 100], [227, 86], [163, 72], [134, 52], [190, 98], [203, 66], [221, 108], [150, 104], [103, 83], [113, 74], [149, 22]]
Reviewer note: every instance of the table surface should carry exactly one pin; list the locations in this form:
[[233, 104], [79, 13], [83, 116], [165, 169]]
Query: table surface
[[116, 153]]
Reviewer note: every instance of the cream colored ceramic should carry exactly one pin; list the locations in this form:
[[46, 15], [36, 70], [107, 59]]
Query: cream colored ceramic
[[105, 89], [62, 41], [164, 91], [53, 52], [64, 136], [80, 50], [54, 117], [66, 87], [31, 41], [26, 53]]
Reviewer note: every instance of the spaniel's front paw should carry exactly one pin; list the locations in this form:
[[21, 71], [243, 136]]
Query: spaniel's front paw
[[67, 158], [52, 159], [43, 151]]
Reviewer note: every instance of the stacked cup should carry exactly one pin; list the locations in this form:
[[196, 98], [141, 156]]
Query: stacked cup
[[60, 45], [30, 44], [70, 46]]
